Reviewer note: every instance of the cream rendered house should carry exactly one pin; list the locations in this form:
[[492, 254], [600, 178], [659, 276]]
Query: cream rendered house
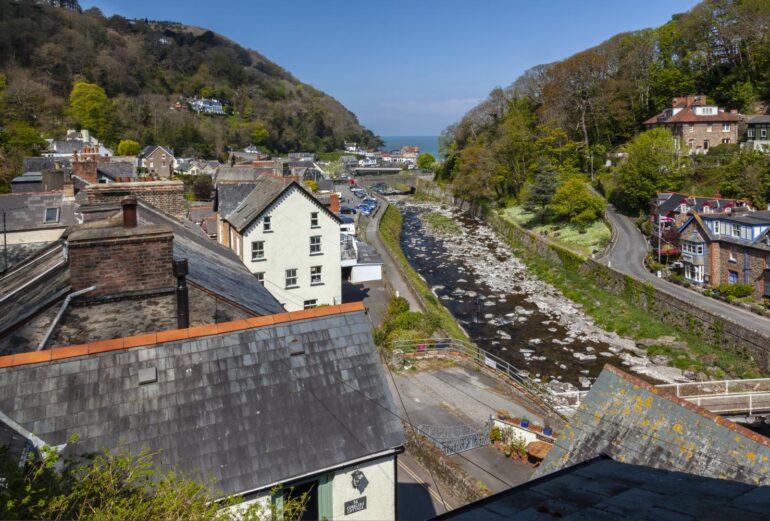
[[289, 240]]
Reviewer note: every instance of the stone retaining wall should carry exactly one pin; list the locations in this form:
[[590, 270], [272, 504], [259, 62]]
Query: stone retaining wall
[[685, 315]]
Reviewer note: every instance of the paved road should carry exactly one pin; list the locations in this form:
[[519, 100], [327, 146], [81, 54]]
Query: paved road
[[389, 269], [418, 496], [627, 256], [456, 395]]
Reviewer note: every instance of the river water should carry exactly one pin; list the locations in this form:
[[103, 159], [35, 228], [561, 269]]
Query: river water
[[504, 309]]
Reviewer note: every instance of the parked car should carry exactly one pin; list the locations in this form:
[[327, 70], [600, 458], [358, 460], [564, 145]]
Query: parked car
[[347, 210]]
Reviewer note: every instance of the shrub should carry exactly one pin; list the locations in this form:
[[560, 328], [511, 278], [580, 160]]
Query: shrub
[[735, 290], [495, 434]]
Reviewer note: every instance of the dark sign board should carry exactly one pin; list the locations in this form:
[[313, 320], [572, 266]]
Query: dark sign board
[[356, 505]]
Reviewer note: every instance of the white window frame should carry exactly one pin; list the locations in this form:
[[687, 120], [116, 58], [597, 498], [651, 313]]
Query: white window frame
[[692, 247], [46, 220], [691, 127], [267, 224], [314, 220], [291, 278], [710, 127], [763, 132], [750, 132], [315, 275], [310, 304], [694, 272], [256, 248], [733, 256], [726, 127], [260, 277], [315, 245]]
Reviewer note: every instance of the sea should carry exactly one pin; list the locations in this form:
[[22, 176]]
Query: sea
[[426, 143]]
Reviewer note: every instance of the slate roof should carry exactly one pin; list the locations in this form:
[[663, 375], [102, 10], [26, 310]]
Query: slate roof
[[27, 182], [759, 119], [39, 164], [632, 421], [212, 266], [605, 490], [115, 170], [26, 211], [665, 203], [228, 196], [247, 408], [149, 149], [267, 189], [239, 174]]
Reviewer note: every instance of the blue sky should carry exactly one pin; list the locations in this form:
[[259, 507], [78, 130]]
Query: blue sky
[[408, 67]]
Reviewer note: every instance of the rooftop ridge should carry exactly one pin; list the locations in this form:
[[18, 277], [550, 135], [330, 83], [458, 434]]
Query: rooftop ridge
[[161, 337], [719, 420]]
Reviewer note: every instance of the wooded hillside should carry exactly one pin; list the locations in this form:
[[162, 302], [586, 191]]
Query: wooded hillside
[[574, 111], [144, 67]]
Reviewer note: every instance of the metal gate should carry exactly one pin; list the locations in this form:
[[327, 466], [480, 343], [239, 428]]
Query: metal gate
[[453, 439]]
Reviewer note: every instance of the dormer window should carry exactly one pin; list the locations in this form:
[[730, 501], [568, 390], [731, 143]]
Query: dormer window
[[51, 215]]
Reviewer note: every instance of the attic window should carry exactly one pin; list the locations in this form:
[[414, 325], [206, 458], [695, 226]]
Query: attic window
[[51, 215]]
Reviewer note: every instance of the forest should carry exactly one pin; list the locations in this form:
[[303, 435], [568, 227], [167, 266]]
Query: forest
[[143, 68], [579, 112]]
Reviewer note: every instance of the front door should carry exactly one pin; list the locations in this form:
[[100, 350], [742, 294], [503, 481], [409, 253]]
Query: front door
[[311, 507]]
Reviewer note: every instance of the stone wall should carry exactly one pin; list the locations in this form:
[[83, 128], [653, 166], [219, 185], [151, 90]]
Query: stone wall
[[121, 261], [685, 315], [167, 196]]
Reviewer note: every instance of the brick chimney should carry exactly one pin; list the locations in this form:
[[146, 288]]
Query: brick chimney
[[122, 261], [84, 166], [334, 202]]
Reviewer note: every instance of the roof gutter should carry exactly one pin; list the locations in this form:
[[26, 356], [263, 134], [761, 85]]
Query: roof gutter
[[56, 320], [389, 452]]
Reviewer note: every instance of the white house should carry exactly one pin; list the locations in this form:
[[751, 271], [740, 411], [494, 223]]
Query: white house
[[289, 240]]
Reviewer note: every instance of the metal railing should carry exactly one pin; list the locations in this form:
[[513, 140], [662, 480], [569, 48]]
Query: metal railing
[[448, 346]]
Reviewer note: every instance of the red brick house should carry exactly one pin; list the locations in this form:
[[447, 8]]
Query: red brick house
[[696, 125]]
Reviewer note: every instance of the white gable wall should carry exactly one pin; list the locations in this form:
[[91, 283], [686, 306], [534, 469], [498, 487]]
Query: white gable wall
[[287, 246]]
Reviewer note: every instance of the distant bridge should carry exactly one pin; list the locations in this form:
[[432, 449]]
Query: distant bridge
[[377, 170], [723, 397]]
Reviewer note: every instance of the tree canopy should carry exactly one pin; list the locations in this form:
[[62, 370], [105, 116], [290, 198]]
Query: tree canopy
[[425, 161]]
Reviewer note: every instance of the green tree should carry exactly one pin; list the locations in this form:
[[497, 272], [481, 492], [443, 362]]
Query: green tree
[[259, 133], [574, 202], [650, 166], [119, 485], [425, 161], [128, 147], [93, 110], [542, 189]]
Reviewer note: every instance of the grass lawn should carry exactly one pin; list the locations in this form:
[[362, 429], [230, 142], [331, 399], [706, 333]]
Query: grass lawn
[[441, 224], [595, 237]]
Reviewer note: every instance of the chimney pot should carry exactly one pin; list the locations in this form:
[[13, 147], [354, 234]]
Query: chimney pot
[[129, 211]]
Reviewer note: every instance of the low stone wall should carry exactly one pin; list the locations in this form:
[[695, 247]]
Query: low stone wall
[[685, 315], [444, 470]]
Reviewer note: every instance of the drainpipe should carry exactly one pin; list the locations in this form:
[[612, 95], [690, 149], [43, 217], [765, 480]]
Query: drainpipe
[[56, 320]]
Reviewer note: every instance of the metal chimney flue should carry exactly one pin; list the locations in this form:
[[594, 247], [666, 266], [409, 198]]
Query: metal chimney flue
[[182, 300], [129, 211]]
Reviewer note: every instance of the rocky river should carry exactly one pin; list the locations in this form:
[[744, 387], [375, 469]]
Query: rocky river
[[512, 314]]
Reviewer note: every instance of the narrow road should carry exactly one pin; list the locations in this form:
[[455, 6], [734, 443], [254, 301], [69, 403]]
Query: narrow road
[[390, 270], [627, 256]]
